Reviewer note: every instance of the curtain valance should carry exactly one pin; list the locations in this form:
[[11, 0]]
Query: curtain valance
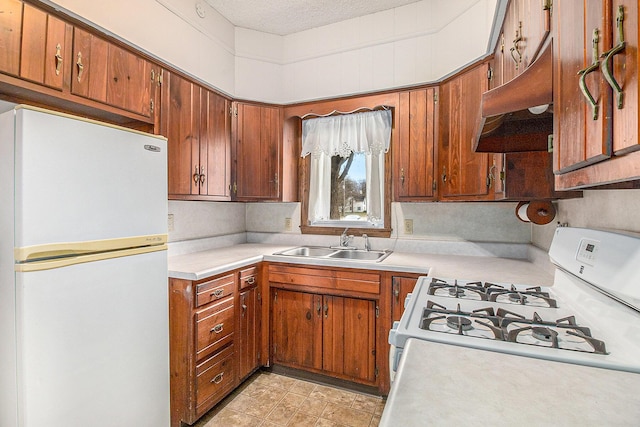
[[368, 132]]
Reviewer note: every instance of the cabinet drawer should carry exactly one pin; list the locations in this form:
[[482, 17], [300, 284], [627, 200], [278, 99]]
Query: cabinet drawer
[[214, 327], [215, 377], [215, 289], [248, 277]]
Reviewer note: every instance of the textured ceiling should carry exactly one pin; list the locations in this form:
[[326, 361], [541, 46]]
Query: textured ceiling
[[284, 17]]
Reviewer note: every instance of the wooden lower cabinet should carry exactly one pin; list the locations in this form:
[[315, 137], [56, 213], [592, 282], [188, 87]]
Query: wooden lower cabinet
[[325, 333], [213, 331], [327, 321]]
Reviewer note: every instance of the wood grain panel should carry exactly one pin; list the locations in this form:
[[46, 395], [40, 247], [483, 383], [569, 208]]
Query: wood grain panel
[[10, 32], [215, 144]]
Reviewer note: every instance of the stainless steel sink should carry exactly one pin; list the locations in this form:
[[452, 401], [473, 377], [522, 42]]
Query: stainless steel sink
[[360, 255], [336, 253], [308, 251]]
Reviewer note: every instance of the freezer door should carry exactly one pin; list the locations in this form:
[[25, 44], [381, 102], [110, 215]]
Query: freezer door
[[78, 180], [93, 344]]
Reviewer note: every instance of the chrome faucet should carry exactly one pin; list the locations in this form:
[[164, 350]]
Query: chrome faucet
[[367, 245], [344, 239]]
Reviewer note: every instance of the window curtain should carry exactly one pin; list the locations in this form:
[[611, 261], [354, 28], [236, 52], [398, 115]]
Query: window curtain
[[324, 137]]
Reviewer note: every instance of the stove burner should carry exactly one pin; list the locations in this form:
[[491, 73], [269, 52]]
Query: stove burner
[[456, 291], [459, 323], [542, 334], [517, 297]]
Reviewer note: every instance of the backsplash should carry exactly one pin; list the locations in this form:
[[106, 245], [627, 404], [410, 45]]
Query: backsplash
[[602, 209], [196, 220]]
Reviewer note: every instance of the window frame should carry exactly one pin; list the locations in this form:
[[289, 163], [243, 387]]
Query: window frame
[[306, 228], [293, 115]]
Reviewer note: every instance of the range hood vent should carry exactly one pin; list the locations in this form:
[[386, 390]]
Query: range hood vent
[[517, 116]]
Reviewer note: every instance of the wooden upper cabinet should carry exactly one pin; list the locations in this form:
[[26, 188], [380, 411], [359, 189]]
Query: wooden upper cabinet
[[462, 173], [196, 123], [526, 26], [180, 124], [45, 49], [414, 152], [10, 32], [215, 145], [257, 143], [112, 75], [582, 98], [596, 93]]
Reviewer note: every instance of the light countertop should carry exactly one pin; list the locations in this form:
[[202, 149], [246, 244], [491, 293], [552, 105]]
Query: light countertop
[[440, 385], [203, 264]]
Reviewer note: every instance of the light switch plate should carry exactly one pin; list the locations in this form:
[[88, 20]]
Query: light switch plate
[[170, 226], [287, 224]]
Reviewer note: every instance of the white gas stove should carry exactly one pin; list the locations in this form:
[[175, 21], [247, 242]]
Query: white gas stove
[[590, 316]]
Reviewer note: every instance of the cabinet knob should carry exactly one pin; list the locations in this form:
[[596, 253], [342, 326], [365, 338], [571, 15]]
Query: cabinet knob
[[218, 378], [608, 56], [80, 66], [58, 59], [590, 69], [196, 176], [218, 328], [217, 293]]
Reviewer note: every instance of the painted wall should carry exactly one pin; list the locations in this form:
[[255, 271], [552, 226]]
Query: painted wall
[[413, 44], [605, 209]]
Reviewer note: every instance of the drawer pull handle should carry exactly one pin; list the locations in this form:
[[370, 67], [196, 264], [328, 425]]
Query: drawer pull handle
[[217, 293], [80, 67], [606, 70], [251, 280], [218, 378], [218, 328], [591, 68]]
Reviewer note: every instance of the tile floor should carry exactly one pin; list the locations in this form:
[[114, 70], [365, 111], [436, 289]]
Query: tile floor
[[268, 399]]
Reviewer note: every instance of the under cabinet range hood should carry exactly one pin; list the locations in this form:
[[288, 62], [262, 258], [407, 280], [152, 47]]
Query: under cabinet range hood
[[517, 116]]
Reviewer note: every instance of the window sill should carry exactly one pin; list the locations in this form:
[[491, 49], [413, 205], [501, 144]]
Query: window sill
[[336, 231]]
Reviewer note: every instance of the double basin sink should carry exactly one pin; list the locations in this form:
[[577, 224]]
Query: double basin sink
[[336, 253]]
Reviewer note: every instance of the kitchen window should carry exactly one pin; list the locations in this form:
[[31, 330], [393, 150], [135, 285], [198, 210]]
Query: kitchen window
[[346, 164]]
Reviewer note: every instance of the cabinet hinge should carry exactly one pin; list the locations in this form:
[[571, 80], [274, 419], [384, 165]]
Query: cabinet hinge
[[160, 77], [259, 296], [377, 311], [151, 105], [275, 296], [235, 188], [275, 349], [434, 185], [375, 372], [233, 111], [435, 97], [550, 143], [490, 74], [258, 356], [548, 4]]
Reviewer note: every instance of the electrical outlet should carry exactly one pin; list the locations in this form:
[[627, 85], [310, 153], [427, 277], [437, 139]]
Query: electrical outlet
[[170, 226], [408, 226], [287, 224]]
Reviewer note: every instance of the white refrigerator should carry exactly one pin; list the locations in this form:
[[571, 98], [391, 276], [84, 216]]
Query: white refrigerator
[[83, 273]]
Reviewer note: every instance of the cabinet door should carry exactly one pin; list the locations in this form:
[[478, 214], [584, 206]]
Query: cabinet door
[[512, 38], [43, 48], [349, 339], [581, 134], [215, 145], [415, 149], [401, 287], [535, 15], [463, 173], [297, 329], [625, 71], [10, 31], [128, 81], [91, 54], [249, 332], [258, 140], [180, 124]]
